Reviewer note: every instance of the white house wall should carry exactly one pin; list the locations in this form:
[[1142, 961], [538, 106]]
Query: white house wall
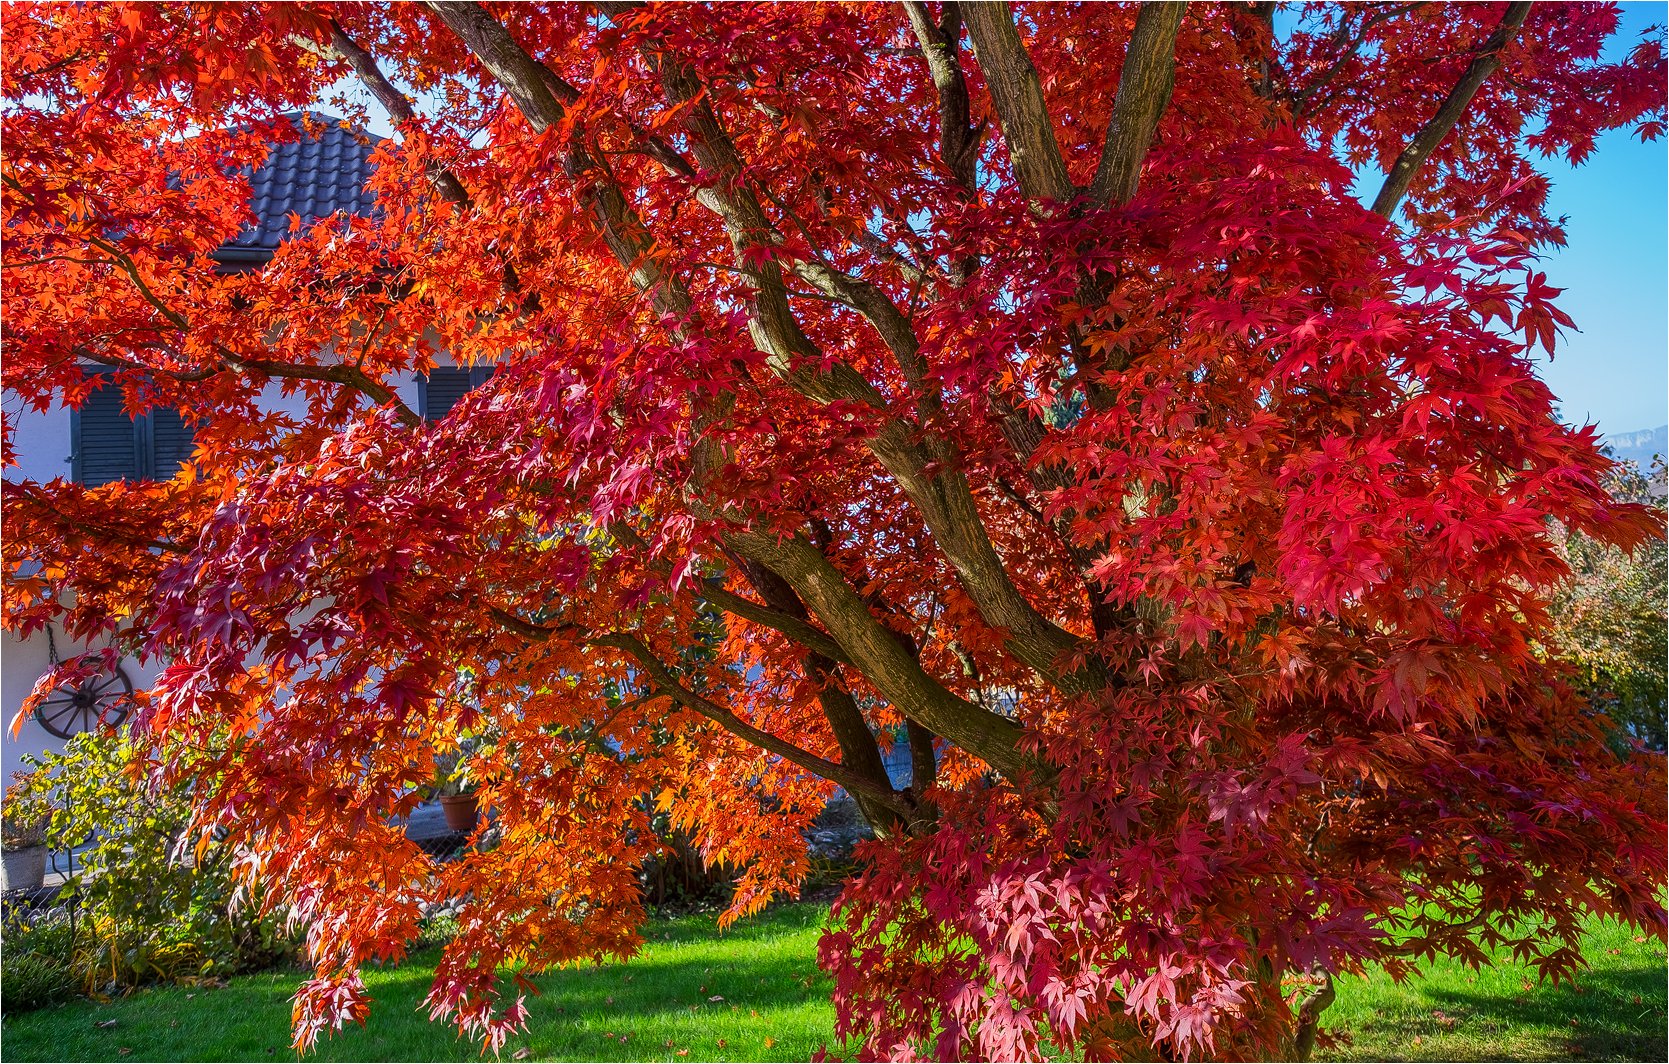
[[44, 444]]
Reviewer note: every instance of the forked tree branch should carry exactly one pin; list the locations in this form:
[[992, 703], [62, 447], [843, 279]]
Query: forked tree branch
[[828, 593], [1018, 94], [857, 783], [1144, 91], [923, 469], [1485, 63]]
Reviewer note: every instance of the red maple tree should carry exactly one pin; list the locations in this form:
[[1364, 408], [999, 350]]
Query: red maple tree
[[1033, 380]]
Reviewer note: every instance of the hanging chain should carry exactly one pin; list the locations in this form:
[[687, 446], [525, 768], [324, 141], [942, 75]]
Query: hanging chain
[[51, 648]]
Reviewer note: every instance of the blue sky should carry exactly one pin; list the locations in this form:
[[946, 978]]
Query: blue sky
[[1615, 270]]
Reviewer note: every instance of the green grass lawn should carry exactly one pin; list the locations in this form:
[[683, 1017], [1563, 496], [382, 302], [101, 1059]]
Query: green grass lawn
[[775, 1007]]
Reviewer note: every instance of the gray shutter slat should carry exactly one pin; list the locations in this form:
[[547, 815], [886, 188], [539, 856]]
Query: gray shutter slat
[[107, 448], [445, 386], [171, 442]]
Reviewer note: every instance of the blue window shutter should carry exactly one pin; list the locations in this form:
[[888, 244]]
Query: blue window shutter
[[110, 445], [442, 389], [107, 443], [171, 442]]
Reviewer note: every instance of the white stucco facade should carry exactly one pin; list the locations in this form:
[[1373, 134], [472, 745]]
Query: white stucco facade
[[44, 445]]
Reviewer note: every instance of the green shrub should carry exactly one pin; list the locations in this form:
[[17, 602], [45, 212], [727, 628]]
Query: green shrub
[[155, 905], [36, 972], [436, 930]]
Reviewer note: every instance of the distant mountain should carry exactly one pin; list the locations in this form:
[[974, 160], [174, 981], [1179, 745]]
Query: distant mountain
[[1639, 446]]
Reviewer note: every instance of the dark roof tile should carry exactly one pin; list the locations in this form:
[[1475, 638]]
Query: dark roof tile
[[318, 174]]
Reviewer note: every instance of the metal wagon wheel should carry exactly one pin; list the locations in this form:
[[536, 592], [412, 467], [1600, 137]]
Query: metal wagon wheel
[[99, 700]]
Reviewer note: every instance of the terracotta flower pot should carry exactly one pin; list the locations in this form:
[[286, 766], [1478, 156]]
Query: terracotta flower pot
[[461, 811], [25, 868]]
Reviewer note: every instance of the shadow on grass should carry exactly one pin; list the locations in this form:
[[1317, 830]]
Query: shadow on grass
[[1612, 1014]]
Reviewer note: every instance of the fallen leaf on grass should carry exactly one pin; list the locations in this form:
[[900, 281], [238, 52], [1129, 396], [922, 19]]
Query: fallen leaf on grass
[[769, 1041], [104, 1024], [521, 1054], [716, 997], [124, 1051]]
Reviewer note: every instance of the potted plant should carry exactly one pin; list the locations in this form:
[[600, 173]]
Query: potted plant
[[25, 814], [455, 791]]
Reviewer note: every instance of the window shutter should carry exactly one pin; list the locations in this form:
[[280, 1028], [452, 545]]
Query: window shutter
[[442, 389], [107, 442], [110, 445], [171, 442]]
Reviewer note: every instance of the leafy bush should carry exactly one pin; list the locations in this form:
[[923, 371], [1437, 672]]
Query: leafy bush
[[1610, 621], [437, 929], [24, 814], [37, 970], [160, 897], [678, 878]]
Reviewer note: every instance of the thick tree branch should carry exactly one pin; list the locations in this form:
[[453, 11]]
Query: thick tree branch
[[1018, 94], [859, 751], [797, 629], [959, 142], [1144, 91], [1485, 63], [858, 783], [941, 45], [884, 661], [1263, 14], [924, 763]]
